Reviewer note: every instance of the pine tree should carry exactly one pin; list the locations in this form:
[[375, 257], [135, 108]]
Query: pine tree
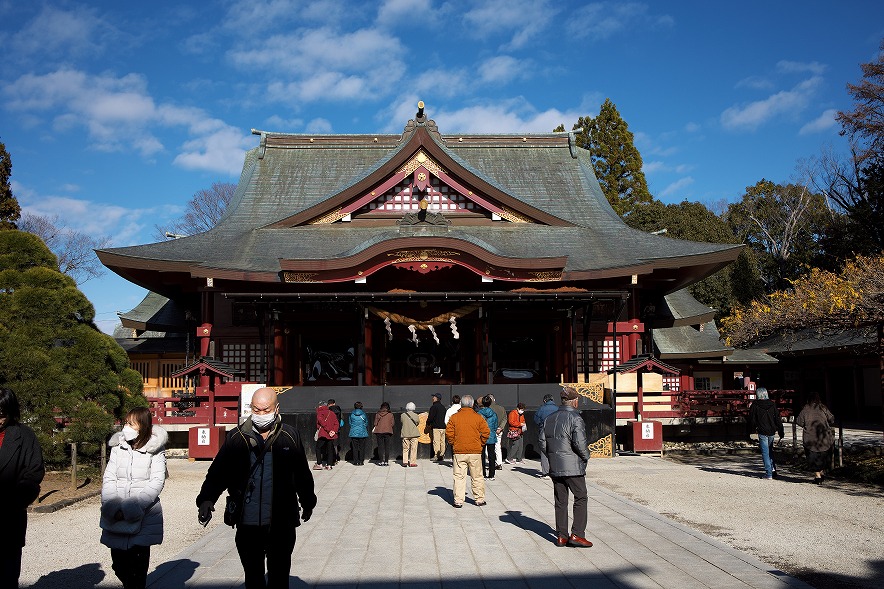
[[616, 160], [64, 371], [9, 207]]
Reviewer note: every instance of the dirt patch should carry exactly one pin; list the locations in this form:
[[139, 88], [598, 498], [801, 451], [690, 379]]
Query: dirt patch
[[58, 490]]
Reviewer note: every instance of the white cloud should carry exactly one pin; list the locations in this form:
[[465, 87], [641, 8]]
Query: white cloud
[[277, 123], [512, 116], [676, 187], [318, 125], [600, 21], [824, 122], [755, 83], [392, 12], [502, 69], [522, 19], [788, 102], [120, 115], [57, 32], [125, 226], [219, 151], [792, 67], [693, 127], [652, 167], [326, 64]]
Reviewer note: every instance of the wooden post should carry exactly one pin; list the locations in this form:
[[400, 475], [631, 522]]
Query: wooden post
[[103, 456], [73, 466]]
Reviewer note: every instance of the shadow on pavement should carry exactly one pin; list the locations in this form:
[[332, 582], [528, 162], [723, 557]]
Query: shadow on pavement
[[518, 519], [86, 576], [173, 574]]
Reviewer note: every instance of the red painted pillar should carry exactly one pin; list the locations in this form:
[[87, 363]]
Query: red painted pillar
[[204, 336]]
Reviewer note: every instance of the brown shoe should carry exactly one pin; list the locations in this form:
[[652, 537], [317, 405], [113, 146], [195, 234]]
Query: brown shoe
[[579, 542], [562, 541], [412, 465]]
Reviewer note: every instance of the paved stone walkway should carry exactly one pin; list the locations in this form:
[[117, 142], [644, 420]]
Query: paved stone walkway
[[380, 528]]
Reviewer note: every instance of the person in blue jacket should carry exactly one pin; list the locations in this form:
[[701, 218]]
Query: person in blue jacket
[[489, 457], [358, 433], [549, 406]]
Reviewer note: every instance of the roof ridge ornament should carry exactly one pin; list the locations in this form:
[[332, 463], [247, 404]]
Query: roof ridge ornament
[[420, 120]]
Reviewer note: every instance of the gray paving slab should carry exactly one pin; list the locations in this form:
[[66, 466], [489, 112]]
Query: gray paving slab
[[395, 527]]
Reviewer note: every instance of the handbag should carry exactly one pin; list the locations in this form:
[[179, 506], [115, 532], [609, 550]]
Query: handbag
[[232, 511], [513, 434]]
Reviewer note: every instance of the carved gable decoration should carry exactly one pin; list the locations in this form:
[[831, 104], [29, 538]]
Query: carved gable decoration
[[421, 178]]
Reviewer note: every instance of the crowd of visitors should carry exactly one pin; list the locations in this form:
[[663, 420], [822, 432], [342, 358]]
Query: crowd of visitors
[[263, 466]]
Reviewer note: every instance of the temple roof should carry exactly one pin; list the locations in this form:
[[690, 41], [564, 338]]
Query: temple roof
[[549, 215]]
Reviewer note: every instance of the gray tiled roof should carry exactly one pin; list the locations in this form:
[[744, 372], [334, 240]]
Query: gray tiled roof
[[543, 174], [154, 312], [688, 342]]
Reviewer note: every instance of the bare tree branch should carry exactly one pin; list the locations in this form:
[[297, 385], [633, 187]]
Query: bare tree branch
[[203, 211], [74, 249]]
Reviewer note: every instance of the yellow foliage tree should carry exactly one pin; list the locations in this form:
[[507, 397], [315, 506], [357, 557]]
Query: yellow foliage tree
[[822, 300]]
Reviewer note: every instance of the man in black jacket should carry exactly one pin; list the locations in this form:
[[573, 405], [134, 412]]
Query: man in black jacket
[[563, 440], [436, 423], [764, 418], [263, 467], [21, 472]]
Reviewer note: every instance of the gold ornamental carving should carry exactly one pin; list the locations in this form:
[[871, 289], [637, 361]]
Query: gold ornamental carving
[[512, 216], [300, 276], [335, 215], [602, 448], [426, 255], [548, 276], [421, 159], [594, 390]]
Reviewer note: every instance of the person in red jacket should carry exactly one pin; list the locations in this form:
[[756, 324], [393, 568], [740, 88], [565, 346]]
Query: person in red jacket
[[515, 434], [327, 426]]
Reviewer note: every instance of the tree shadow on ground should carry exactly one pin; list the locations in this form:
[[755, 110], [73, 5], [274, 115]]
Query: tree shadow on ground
[[85, 576]]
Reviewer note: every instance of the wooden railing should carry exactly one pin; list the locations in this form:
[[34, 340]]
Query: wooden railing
[[730, 403], [193, 409], [707, 404]]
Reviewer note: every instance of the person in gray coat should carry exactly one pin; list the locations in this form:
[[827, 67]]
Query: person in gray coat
[[563, 440]]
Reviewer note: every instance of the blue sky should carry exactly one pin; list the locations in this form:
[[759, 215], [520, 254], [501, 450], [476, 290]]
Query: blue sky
[[116, 113]]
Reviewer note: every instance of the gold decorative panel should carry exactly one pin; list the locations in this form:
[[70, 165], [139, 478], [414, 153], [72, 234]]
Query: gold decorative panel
[[300, 276], [512, 216], [594, 390], [545, 276], [602, 448], [335, 215], [421, 159], [426, 255]]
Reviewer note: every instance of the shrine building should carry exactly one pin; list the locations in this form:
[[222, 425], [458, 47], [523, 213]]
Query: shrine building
[[424, 258]]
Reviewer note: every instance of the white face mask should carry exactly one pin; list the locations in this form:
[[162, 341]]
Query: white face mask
[[129, 433], [521, 411], [263, 422]]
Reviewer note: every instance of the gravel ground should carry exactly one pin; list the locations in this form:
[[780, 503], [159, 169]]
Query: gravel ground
[[63, 549], [829, 535]]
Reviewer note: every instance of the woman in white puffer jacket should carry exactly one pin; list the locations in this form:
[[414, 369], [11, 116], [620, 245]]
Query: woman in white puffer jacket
[[131, 514]]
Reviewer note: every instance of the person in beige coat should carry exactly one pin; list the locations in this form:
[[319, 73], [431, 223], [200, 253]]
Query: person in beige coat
[[410, 435], [818, 437]]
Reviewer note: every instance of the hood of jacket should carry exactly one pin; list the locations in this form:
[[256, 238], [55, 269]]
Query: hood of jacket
[[157, 441]]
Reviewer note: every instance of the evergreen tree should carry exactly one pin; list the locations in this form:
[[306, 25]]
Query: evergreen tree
[[9, 207], [616, 160], [72, 380]]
